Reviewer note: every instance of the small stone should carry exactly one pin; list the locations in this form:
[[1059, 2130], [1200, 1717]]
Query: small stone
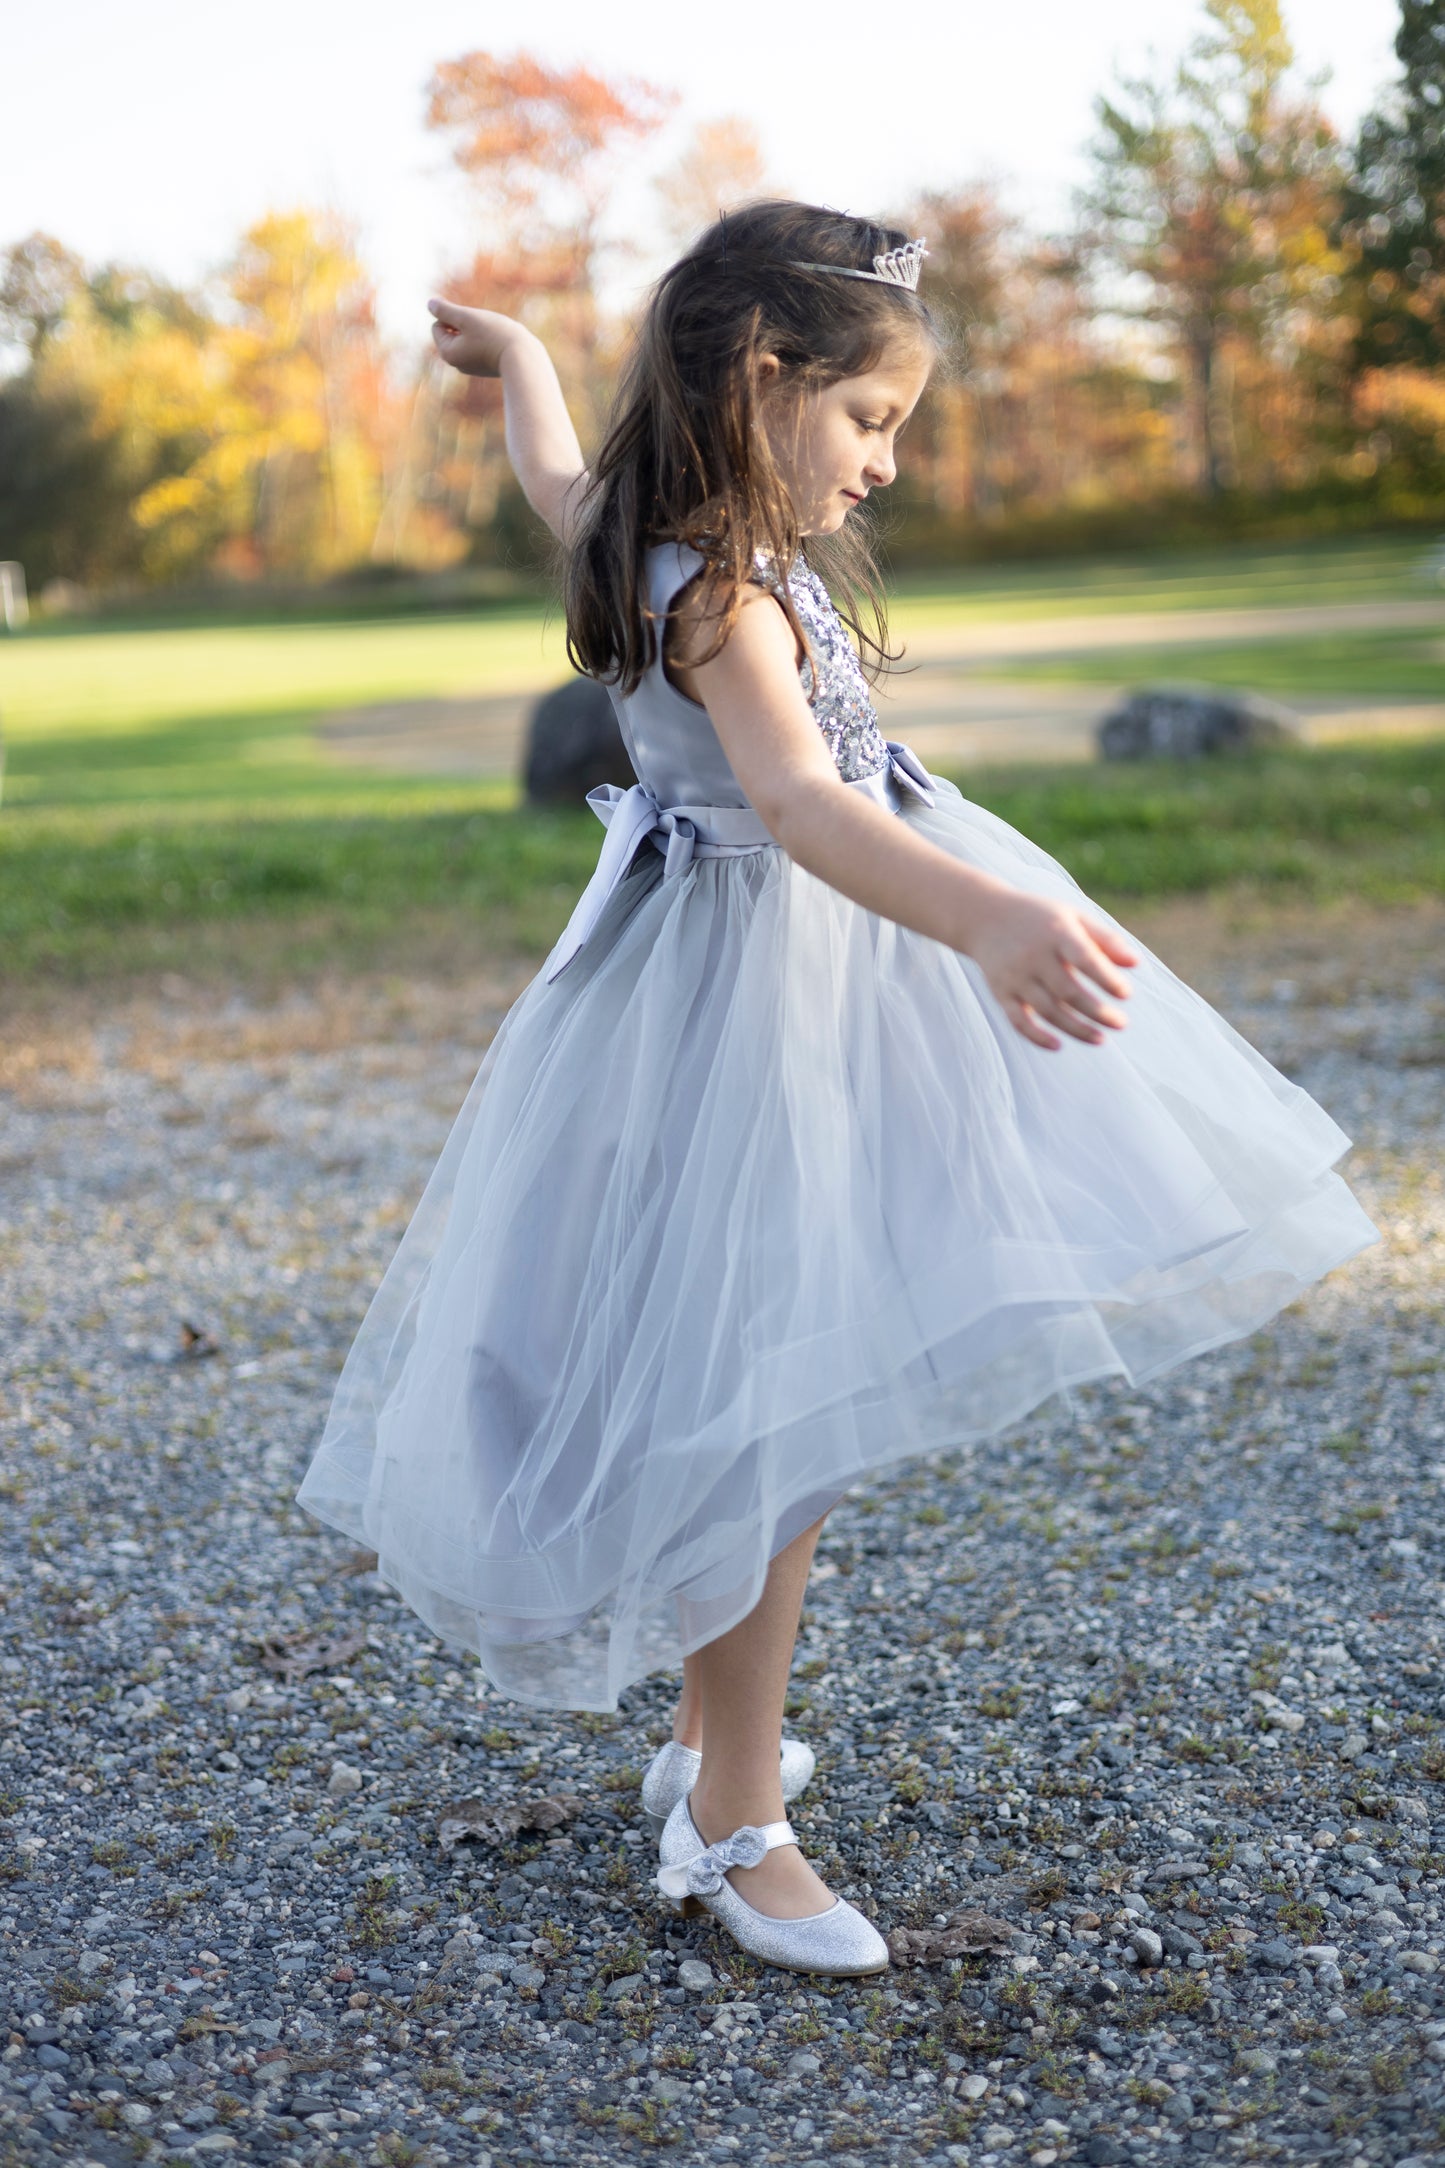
[[1354, 1746], [51, 2058], [1101, 2151], [135, 2112], [1147, 1946], [803, 2128], [1258, 2060], [343, 1781], [1276, 1955], [616, 1990], [695, 1976], [972, 2087], [803, 2065], [534, 1976], [1419, 1961], [996, 2137]]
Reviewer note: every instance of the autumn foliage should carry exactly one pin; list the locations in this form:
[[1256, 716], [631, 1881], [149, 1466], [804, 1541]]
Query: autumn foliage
[[1247, 315]]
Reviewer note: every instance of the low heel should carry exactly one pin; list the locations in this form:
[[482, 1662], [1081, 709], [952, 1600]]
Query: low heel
[[656, 1823]]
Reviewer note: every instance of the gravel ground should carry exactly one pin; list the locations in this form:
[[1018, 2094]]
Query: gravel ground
[[1154, 1683]]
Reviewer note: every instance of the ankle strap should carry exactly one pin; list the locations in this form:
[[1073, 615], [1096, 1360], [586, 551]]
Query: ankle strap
[[702, 1875]]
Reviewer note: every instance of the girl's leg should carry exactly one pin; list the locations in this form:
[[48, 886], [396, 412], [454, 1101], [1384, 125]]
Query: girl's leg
[[687, 1718], [741, 1682]]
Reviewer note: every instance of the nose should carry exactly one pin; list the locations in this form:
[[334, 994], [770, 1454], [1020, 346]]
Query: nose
[[881, 466]]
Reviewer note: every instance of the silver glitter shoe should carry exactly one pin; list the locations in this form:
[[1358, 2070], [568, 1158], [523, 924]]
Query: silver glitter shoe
[[673, 1771], [838, 1942]]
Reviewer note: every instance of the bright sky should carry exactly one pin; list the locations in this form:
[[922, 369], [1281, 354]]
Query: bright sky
[[155, 131]]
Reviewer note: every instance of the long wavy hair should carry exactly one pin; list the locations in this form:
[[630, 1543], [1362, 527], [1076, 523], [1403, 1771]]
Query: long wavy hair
[[685, 459]]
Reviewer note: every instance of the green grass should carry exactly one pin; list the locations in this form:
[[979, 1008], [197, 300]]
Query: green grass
[[1370, 665], [168, 806], [227, 712], [1247, 576], [252, 890]]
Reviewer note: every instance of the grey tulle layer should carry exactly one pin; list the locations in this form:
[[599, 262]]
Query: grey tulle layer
[[764, 1193]]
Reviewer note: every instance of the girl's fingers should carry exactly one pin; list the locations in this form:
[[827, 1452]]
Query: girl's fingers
[[1068, 986], [1113, 944], [1046, 1003], [1027, 1024], [1082, 955]]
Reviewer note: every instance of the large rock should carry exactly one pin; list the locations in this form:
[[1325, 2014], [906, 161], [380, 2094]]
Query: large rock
[[1183, 722], [574, 743]]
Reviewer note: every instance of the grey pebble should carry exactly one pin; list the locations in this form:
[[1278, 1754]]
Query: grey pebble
[[1028, 1671]]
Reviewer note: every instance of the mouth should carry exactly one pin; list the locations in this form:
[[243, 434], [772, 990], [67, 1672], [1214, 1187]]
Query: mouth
[[855, 496]]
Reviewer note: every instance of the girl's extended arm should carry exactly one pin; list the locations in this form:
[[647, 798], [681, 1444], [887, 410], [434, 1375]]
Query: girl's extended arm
[[1036, 954], [541, 442]]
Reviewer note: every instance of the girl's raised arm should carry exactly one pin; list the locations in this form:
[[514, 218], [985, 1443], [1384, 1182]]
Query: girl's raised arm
[[1038, 956], [541, 442]]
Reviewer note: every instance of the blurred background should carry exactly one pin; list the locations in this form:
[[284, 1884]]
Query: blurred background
[[275, 613]]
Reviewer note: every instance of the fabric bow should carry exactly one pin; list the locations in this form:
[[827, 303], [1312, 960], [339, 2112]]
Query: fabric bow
[[702, 1875]]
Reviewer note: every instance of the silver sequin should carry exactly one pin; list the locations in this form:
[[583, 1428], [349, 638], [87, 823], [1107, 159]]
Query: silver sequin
[[844, 712]]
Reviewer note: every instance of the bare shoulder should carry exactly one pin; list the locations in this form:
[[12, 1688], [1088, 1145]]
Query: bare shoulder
[[698, 633]]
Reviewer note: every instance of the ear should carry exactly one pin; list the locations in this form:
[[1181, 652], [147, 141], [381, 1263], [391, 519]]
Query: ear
[[769, 370]]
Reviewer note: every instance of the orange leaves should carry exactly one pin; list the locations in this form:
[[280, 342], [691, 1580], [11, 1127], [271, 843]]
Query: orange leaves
[[520, 127]]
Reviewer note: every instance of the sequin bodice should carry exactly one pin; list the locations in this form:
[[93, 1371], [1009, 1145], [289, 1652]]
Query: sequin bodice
[[841, 706], [670, 740]]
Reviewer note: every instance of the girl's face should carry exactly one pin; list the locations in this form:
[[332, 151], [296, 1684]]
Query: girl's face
[[836, 445]]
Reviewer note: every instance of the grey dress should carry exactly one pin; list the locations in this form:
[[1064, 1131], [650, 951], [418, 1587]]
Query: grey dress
[[756, 1193]]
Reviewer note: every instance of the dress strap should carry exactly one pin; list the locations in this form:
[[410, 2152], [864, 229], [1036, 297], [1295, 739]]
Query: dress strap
[[702, 1875]]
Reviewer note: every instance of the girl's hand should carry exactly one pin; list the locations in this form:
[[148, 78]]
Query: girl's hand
[[1037, 957], [473, 340]]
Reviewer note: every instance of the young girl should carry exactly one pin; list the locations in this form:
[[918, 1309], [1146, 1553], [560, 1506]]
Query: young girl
[[819, 1140]]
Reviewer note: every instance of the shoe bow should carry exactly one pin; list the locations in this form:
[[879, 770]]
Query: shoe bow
[[702, 1875]]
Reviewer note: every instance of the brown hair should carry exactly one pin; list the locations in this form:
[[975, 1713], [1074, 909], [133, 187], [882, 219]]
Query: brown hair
[[683, 459]]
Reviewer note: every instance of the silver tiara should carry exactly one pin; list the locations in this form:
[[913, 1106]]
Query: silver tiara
[[900, 267]]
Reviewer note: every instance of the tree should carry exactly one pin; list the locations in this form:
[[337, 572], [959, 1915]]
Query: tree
[[118, 398], [542, 150], [1037, 416], [39, 281], [1212, 204], [721, 169], [1394, 209]]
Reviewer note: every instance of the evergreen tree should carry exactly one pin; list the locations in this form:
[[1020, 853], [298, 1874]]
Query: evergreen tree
[[1395, 208]]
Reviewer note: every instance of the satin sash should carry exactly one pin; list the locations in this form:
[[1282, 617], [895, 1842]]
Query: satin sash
[[685, 832]]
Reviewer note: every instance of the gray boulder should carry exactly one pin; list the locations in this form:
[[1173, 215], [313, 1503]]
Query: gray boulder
[[574, 743], [1184, 722]]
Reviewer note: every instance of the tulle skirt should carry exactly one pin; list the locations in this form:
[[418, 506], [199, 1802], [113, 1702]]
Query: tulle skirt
[[764, 1193]]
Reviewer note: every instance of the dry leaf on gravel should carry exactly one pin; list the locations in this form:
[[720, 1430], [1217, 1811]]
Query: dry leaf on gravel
[[965, 1934], [294, 1656], [196, 1344], [492, 1821]]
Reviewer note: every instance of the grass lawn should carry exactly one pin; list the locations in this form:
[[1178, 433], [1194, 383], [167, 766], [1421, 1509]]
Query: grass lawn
[[1256, 575], [167, 806], [1383, 665]]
